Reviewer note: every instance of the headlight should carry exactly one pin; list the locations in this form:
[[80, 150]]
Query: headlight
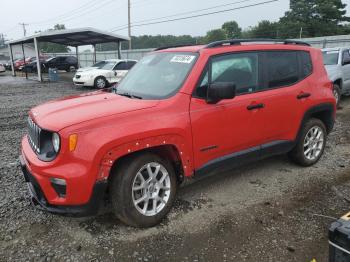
[[56, 142]]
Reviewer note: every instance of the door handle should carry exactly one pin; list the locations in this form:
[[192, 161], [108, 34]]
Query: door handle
[[303, 95], [255, 106]]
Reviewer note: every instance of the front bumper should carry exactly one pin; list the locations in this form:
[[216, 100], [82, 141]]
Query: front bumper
[[83, 81], [39, 200]]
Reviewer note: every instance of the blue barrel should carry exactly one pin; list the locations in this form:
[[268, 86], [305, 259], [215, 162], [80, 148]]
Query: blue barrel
[[53, 74]]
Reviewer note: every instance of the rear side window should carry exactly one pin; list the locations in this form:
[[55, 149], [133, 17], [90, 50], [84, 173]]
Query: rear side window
[[282, 68]]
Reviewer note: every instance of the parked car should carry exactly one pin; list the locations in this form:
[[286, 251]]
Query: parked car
[[19, 64], [179, 113], [32, 67], [104, 73], [67, 63], [337, 63], [2, 68]]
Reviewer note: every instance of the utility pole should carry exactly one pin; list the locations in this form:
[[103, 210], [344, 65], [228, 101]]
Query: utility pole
[[301, 32], [129, 24], [24, 28]]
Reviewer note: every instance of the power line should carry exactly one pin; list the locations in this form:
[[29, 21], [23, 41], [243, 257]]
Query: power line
[[185, 13], [195, 16], [68, 14]]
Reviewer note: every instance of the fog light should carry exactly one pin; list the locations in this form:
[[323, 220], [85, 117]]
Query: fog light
[[60, 186], [73, 140]]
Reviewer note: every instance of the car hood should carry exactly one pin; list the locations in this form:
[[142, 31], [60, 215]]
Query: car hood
[[84, 69], [58, 114], [94, 71]]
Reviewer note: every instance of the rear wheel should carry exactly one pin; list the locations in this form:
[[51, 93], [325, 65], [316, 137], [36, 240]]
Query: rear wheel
[[337, 93], [311, 143], [100, 82], [143, 190]]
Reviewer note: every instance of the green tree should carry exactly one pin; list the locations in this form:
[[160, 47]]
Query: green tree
[[264, 29], [232, 30], [312, 18], [215, 35]]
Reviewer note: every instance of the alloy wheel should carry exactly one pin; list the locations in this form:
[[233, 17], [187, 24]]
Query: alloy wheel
[[313, 143], [336, 95], [101, 83], [151, 189]]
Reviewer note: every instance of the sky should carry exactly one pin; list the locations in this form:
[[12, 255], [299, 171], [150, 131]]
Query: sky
[[112, 14]]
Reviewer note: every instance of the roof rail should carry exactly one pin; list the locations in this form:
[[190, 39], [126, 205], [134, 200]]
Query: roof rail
[[239, 41], [172, 46]]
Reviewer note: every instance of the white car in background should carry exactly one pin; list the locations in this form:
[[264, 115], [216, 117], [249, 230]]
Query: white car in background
[[2, 68], [103, 73]]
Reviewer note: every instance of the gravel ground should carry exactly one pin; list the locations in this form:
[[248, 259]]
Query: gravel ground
[[269, 211]]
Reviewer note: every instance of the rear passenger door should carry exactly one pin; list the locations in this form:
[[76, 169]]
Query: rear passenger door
[[285, 94]]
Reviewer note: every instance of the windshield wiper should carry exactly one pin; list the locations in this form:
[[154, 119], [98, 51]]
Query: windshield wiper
[[129, 95]]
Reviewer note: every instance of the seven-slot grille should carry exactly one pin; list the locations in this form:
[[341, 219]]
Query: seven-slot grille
[[34, 135]]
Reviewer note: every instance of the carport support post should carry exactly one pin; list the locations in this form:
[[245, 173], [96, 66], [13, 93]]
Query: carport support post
[[11, 56], [24, 60], [77, 54], [94, 53], [119, 48], [38, 65]]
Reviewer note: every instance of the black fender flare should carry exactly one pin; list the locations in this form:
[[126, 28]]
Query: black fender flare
[[325, 112]]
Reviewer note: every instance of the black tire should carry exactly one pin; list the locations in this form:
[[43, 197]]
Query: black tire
[[337, 93], [100, 78], [297, 155], [121, 193]]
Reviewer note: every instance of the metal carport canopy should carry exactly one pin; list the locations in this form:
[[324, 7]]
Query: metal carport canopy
[[69, 37]]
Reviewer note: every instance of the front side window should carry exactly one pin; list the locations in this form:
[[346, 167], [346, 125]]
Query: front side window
[[158, 75], [282, 67], [241, 69], [330, 57], [120, 66]]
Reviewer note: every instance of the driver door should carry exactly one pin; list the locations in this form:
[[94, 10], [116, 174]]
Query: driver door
[[231, 127]]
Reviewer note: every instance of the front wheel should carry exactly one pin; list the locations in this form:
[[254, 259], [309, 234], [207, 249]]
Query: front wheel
[[310, 144], [337, 93], [143, 190], [100, 82]]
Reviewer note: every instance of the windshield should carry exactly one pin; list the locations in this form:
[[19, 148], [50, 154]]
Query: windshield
[[158, 75], [99, 64], [106, 65], [330, 57]]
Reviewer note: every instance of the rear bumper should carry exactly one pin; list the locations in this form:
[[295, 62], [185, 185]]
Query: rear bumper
[[39, 200]]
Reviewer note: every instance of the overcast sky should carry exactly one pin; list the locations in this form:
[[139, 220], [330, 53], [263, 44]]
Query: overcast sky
[[109, 14]]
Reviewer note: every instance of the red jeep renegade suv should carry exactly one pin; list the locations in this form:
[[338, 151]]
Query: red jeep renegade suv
[[180, 112]]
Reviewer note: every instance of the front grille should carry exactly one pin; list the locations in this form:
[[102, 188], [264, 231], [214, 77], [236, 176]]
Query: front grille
[[34, 135]]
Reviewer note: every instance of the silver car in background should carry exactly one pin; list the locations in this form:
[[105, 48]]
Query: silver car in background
[[337, 63]]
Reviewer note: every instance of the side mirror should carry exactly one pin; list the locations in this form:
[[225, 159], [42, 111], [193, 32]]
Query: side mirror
[[219, 91]]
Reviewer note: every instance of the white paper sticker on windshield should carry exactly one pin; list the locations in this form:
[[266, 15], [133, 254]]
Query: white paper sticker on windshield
[[187, 59]]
